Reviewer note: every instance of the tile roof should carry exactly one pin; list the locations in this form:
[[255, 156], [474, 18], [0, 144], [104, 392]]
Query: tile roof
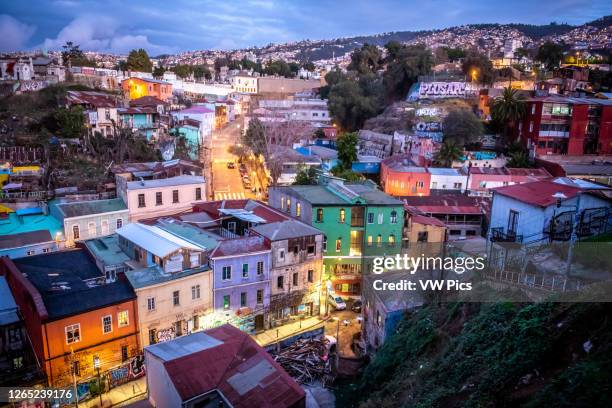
[[70, 283], [240, 246], [228, 361], [81, 208], [97, 99], [445, 204], [258, 208], [402, 163], [147, 101]]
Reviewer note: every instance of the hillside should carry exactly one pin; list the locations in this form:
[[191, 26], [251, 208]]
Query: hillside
[[493, 355]]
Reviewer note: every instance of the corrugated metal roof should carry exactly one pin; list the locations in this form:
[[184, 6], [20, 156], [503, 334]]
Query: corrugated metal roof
[[154, 239], [165, 182]]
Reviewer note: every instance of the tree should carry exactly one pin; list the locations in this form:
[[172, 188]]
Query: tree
[[138, 60], [71, 121], [550, 54], [72, 56], [347, 149], [454, 53], [461, 126], [183, 71], [409, 63], [448, 153], [366, 59], [255, 137], [308, 66], [331, 78], [392, 48], [201, 71], [158, 72], [519, 159], [346, 174], [478, 68], [349, 106], [508, 109], [306, 176]]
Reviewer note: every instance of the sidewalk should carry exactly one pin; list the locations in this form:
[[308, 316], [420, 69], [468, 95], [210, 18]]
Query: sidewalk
[[275, 334], [132, 391]]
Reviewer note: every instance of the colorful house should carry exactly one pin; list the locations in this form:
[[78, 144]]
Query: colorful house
[[358, 222], [142, 120], [401, 177], [134, 88], [72, 314], [204, 115]]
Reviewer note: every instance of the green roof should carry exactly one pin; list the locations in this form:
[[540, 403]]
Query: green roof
[[16, 224], [107, 250], [153, 275], [329, 195], [81, 208]]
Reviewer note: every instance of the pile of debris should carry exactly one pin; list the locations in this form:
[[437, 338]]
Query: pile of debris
[[307, 361]]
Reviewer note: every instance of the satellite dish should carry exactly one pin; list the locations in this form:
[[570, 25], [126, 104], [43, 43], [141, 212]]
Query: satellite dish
[[167, 150]]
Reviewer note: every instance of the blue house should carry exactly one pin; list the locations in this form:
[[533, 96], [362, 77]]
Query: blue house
[[545, 210], [144, 120]]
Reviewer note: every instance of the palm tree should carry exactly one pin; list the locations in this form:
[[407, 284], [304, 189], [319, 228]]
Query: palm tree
[[508, 109], [448, 153]]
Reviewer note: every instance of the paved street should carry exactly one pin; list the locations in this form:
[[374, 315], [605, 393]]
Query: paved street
[[226, 183], [343, 325]]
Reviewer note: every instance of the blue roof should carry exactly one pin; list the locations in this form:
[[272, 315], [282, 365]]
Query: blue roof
[[8, 307], [16, 224], [29, 211]]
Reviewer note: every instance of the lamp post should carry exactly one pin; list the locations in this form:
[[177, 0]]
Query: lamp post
[[96, 362], [574, 231]]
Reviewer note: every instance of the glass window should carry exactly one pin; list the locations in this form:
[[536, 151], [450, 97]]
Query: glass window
[[259, 296], [158, 198], [310, 275], [226, 302], [243, 299], [75, 232], [176, 298], [119, 223], [91, 229], [295, 279], [370, 218], [338, 244], [198, 193], [319, 215], [379, 240], [298, 209], [381, 218], [394, 216], [245, 270], [391, 240], [195, 292], [342, 215], [141, 201], [370, 240], [123, 318], [260, 268], [104, 227], [107, 324], [226, 273], [280, 284], [151, 303], [175, 196], [73, 333]]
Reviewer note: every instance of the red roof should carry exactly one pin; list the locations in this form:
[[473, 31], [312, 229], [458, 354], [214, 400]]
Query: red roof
[[147, 101], [240, 246], [445, 204], [96, 99], [257, 207], [425, 220], [218, 368], [538, 193]]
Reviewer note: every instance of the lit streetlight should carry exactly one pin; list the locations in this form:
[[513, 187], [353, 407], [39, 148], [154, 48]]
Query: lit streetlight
[[96, 363]]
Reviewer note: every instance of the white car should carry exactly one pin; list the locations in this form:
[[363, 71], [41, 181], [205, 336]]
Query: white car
[[336, 301]]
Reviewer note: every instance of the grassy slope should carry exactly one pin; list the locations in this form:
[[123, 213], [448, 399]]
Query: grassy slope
[[493, 355]]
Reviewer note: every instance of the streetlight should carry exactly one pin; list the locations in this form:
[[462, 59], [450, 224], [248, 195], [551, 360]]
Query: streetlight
[[96, 362], [575, 224], [474, 75]]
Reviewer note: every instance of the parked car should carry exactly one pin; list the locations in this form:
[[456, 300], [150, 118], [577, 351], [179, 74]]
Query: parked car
[[356, 306], [336, 301], [231, 165]]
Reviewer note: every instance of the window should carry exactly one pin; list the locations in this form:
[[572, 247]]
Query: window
[[150, 304], [243, 299], [282, 203], [119, 223], [281, 254], [104, 227], [434, 185], [245, 270], [311, 249], [73, 333], [30, 253], [124, 354], [198, 192], [17, 363], [152, 336], [260, 266], [295, 279], [123, 318], [107, 324], [226, 302], [457, 186], [381, 218], [310, 276], [338, 244], [379, 240], [342, 215], [391, 240], [75, 232], [419, 184], [259, 296], [370, 218], [176, 298], [422, 236], [46, 250], [280, 282], [158, 198], [324, 243], [298, 209], [175, 197], [393, 217], [141, 201], [91, 229], [226, 273], [195, 292], [288, 205], [319, 215], [370, 240]]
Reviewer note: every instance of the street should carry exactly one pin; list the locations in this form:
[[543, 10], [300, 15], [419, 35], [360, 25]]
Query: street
[[226, 182]]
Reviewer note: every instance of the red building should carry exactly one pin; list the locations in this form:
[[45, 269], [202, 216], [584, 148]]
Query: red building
[[400, 176], [565, 125]]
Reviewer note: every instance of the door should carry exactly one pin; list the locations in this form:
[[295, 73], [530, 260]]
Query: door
[[259, 322], [513, 217]]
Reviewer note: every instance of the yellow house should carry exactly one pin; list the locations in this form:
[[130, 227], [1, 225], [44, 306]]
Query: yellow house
[[422, 234]]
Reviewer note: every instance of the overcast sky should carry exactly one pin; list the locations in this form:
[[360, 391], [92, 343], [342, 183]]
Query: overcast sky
[[180, 25]]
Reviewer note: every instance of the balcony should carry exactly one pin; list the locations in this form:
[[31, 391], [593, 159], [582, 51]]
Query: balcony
[[498, 235]]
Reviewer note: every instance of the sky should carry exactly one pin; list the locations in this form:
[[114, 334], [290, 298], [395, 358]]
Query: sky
[[173, 26]]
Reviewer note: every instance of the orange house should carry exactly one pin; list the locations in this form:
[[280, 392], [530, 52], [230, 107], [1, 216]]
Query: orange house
[[400, 177], [72, 314], [134, 88]]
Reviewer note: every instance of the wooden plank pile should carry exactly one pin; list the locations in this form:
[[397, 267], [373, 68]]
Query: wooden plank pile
[[307, 361]]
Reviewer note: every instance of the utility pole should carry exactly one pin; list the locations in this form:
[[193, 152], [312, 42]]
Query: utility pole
[[74, 380]]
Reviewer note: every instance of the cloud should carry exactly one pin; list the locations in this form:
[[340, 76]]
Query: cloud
[[103, 34], [14, 34]]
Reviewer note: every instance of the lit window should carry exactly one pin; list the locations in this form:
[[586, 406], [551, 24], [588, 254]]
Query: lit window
[[338, 244], [73, 333], [391, 240], [379, 240], [76, 234], [393, 217], [123, 318], [298, 209], [107, 324], [342, 215]]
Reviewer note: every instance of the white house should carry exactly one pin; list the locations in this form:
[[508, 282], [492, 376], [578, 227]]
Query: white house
[[100, 109], [447, 179], [244, 83], [149, 198], [540, 210]]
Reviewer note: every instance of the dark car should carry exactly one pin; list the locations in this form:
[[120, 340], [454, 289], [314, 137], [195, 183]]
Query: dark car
[[356, 307], [231, 165]]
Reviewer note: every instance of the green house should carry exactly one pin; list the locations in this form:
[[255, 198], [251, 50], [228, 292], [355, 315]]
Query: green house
[[359, 222]]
